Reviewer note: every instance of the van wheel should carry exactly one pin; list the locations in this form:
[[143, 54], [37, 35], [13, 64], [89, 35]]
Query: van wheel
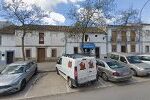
[[104, 77], [23, 85], [70, 83], [134, 73], [57, 71]]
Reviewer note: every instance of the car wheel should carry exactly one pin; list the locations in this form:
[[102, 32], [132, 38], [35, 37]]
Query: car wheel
[[104, 77], [57, 71], [35, 72], [23, 85], [134, 73], [70, 83]]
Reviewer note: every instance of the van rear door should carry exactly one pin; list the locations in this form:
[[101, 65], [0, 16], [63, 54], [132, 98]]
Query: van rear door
[[86, 70], [82, 70], [92, 70]]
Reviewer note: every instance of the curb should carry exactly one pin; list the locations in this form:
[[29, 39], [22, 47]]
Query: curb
[[42, 71]]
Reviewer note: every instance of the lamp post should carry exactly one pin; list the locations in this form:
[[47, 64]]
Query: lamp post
[[140, 31]]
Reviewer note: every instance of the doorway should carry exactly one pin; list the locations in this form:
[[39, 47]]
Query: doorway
[[9, 57], [123, 48], [41, 54], [97, 52]]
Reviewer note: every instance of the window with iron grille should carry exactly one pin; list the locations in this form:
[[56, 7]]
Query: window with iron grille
[[41, 38], [54, 53]]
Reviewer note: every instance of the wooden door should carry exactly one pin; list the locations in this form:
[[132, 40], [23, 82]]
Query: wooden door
[[41, 54]]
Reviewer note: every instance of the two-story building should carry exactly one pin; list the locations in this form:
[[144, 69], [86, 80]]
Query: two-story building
[[45, 42]]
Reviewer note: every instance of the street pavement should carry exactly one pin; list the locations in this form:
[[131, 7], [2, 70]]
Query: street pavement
[[139, 91], [48, 83]]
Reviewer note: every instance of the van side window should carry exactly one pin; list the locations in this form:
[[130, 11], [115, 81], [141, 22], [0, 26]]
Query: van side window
[[122, 59], [59, 61]]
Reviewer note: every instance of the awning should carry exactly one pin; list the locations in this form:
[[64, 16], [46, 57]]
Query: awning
[[88, 45]]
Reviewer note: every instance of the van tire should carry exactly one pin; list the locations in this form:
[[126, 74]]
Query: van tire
[[104, 77], [70, 83], [57, 71], [134, 73]]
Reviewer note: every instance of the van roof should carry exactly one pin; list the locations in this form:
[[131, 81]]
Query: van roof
[[124, 54], [77, 55]]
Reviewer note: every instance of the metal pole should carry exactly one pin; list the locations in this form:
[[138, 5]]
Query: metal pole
[[140, 31], [65, 44]]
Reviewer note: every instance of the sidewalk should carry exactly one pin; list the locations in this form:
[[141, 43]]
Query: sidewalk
[[47, 67]]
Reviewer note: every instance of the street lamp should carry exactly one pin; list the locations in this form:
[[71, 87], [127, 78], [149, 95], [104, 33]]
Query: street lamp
[[140, 34]]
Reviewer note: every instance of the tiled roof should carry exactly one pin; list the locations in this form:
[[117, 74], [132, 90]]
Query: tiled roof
[[8, 30], [11, 29]]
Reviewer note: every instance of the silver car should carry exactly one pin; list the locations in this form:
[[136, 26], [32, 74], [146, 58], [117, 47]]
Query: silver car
[[132, 60], [15, 76], [113, 71]]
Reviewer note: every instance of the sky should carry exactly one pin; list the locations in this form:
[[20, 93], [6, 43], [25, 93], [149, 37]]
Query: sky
[[58, 9]]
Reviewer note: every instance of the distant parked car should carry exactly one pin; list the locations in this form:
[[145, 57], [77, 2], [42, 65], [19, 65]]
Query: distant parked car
[[132, 60], [113, 70], [145, 58], [15, 76]]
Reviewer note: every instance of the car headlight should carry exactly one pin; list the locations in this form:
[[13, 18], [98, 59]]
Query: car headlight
[[140, 68]]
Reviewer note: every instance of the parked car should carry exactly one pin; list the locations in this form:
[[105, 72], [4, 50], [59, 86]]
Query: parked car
[[77, 69], [112, 70], [132, 60], [15, 76], [145, 58]]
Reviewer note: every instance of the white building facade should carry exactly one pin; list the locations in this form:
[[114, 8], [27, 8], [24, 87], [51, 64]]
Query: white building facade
[[46, 43]]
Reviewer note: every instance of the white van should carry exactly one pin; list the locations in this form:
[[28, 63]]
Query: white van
[[77, 69]]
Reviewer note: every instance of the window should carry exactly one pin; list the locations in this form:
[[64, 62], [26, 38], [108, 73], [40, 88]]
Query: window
[[132, 48], [114, 36], [75, 50], [41, 38], [54, 52], [86, 38], [114, 48], [59, 61], [100, 63], [122, 59], [28, 53], [0, 40], [146, 49], [145, 58], [132, 36]]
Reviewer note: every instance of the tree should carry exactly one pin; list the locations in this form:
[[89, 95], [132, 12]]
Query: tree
[[129, 20], [91, 14], [22, 14], [128, 16]]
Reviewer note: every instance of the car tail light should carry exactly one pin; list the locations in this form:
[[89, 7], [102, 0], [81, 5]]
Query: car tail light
[[75, 73], [116, 74]]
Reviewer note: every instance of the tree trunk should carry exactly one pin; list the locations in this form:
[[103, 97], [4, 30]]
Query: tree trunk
[[23, 51], [82, 42]]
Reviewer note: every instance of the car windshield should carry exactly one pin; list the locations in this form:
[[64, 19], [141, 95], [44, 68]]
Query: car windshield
[[134, 59], [14, 69], [114, 64]]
